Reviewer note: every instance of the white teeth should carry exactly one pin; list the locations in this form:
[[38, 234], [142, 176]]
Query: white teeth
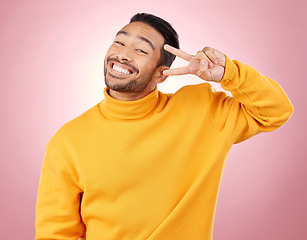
[[121, 70]]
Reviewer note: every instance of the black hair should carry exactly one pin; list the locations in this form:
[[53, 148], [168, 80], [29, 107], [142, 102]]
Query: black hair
[[165, 29]]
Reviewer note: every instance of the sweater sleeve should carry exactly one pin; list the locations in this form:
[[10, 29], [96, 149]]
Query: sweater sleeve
[[258, 104], [58, 201]]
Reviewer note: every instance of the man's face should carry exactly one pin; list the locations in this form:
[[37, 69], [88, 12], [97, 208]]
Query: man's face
[[132, 59]]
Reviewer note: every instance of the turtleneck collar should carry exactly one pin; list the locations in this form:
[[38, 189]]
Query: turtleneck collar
[[115, 109]]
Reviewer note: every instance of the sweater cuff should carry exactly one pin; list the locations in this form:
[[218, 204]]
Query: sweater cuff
[[229, 81]]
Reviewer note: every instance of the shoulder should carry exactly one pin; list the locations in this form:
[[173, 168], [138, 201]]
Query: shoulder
[[77, 127], [195, 93], [196, 88], [199, 97]]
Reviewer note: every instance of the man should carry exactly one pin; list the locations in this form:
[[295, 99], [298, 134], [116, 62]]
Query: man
[[146, 165]]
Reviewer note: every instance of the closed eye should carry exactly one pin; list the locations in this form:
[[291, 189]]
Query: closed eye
[[119, 43], [141, 51]]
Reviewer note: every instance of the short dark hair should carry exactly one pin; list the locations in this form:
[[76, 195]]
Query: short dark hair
[[165, 29]]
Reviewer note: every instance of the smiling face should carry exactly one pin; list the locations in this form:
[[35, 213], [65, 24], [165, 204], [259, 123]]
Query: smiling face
[[130, 66]]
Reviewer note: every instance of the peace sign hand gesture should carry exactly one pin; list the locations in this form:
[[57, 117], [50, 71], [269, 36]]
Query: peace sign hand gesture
[[208, 64]]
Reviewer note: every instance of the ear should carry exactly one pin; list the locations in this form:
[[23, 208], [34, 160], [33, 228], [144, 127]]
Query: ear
[[159, 77]]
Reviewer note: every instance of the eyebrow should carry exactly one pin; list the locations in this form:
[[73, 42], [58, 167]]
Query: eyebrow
[[140, 37]]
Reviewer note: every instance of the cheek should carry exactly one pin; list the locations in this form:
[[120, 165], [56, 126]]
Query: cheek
[[146, 67], [149, 64], [111, 51]]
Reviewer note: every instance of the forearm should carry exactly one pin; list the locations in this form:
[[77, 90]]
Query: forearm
[[262, 97]]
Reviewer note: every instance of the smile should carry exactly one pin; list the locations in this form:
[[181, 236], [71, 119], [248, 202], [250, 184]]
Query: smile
[[121, 70]]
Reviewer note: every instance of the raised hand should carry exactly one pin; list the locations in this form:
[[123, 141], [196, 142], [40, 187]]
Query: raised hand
[[208, 64]]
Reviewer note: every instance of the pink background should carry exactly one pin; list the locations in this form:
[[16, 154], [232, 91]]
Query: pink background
[[51, 65]]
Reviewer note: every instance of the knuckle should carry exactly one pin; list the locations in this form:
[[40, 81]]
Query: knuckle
[[200, 54], [207, 49]]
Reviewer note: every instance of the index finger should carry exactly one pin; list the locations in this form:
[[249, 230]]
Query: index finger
[[177, 52]]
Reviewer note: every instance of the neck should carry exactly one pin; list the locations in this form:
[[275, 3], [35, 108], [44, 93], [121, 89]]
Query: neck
[[117, 109], [123, 96], [132, 96]]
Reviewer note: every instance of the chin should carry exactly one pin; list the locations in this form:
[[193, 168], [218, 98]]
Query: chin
[[119, 87]]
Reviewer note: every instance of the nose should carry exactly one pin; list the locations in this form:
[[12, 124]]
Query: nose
[[125, 54]]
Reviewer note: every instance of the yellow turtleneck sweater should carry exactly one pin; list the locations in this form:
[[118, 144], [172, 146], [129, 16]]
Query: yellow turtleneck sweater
[[151, 168]]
